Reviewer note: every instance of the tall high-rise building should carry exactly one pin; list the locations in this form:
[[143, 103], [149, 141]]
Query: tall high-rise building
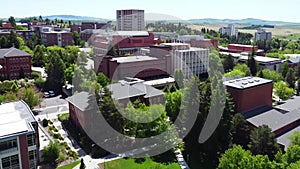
[[262, 35], [230, 30], [130, 20]]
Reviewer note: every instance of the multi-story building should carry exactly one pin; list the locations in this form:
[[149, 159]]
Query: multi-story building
[[19, 136], [137, 66], [58, 38], [192, 61], [264, 62], [26, 34], [14, 62], [250, 93], [88, 25], [127, 42], [130, 20], [262, 34], [230, 30]]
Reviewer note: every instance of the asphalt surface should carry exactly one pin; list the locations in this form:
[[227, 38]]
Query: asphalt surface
[[52, 105]]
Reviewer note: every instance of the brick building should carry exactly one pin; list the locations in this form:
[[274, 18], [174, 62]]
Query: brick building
[[19, 136], [13, 61], [198, 41], [88, 25], [58, 38], [26, 34], [249, 93]]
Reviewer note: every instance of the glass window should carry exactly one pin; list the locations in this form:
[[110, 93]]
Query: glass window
[[31, 139]]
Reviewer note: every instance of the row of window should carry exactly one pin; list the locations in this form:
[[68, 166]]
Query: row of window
[[19, 60], [13, 162], [18, 67]]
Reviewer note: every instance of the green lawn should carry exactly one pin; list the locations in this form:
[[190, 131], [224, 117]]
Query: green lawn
[[69, 166], [147, 163]]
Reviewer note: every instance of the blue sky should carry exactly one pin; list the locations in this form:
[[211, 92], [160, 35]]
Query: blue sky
[[282, 10]]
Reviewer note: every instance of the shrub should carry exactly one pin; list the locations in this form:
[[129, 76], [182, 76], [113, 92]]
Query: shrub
[[63, 117], [73, 154], [51, 152], [58, 136], [45, 122], [53, 128]]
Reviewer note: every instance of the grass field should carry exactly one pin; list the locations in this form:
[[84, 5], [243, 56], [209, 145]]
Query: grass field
[[69, 166], [277, 31], [147, 163]]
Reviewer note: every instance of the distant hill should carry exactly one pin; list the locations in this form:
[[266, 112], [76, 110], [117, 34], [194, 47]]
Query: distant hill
[[251, 21], [75, 18]]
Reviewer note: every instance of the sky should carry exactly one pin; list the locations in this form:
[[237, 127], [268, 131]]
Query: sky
[[275, 10]]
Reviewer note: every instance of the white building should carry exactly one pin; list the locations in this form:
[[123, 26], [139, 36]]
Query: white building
[[262, 35], [130, 20], [230, 30], [192, 61]]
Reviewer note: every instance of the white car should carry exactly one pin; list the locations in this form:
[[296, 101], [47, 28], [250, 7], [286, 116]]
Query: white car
[[51, 93]]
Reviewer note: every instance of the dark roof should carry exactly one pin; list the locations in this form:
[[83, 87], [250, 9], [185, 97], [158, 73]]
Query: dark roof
[[284, 139], [83, 101], [12, 52], [290, 105], [272, 117], [123, 90]]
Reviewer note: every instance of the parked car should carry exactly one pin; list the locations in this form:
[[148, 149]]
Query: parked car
[[46, 94], [51, 93]]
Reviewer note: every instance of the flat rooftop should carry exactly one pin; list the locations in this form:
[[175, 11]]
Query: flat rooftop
[[239, 45], [132, 33], [130, 59], [193, 49], [176, 44], [15, 119], [246, 82], [262, 59]]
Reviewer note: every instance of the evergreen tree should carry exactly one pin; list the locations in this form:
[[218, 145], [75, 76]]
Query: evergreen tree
[[252, 63], [263, 141], [284, 69], [290, 78], [55, 73], [12, 21], [228, 63], [240, 130]]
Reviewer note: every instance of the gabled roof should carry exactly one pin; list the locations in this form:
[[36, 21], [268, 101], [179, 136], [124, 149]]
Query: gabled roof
[[123, 90], [12, 52]]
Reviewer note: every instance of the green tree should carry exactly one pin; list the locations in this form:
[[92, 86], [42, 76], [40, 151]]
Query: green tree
[[78, 78], [234, 73], [55, 73], [263, 141], [284, 69], [252, 64], [29, 97], [76, 38], [173, 104], [179, 78], [39, 56], [295, 139], [236, 157], [270, 74], [228, 63], [69, 73], [292, 154], [240, 130], [295, 165], [243, 68], [282, 90], [12, 21], [51, 152], [102, 79], [290, 78]]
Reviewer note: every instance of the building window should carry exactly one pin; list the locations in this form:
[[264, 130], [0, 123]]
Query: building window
[[32, 159], [5, 145], [11, 162], [31, 139]]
